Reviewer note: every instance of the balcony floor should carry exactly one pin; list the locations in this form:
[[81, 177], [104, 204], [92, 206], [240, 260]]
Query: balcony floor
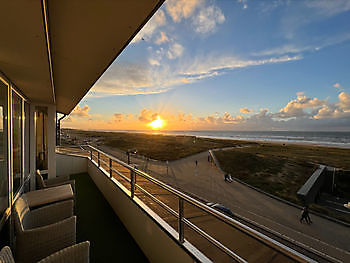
[[98, 223]]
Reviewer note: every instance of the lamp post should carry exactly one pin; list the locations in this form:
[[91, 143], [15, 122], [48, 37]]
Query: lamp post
[[130, 151]]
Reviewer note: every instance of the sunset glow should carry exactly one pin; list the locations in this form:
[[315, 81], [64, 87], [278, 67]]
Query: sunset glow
[[156, 124], [195, 65]]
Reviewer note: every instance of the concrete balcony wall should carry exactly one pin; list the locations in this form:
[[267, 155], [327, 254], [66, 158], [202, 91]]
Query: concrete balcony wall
[[156, 244], [70, 164]]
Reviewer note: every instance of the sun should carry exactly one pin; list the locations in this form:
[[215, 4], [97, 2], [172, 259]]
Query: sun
[[156, 124]]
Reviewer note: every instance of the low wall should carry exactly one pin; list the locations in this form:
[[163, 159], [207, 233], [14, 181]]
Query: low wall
[[156, 244], [70, 164]]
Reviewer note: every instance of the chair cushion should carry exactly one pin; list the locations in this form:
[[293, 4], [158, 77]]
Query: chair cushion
[[21, 211], [6, 255]]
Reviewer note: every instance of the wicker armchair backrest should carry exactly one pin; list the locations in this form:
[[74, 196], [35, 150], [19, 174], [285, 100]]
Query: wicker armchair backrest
[[21, 214], [6, 255]]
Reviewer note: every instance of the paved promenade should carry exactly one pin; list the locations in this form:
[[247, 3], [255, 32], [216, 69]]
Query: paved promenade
[[206, 181]]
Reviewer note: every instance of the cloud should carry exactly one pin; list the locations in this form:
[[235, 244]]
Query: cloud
[[147, 115], [81, 112], [344, 101], [125, 79], [118, 117], [162, 39], [315, 44], [207, 19], [153, 62], [227, 118], [245, 110], [182, 117], [146, 33], [285, 49], [244, 3], [68, 119], [132, 79], [295, 108], [207, 65], [175, 51], [179, 9], [329, 8], [304, 107]]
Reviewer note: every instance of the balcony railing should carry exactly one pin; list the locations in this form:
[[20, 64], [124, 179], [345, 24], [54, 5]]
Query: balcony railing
[[190, 217]]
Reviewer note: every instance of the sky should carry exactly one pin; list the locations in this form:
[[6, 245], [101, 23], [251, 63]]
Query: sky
[[229, 65]]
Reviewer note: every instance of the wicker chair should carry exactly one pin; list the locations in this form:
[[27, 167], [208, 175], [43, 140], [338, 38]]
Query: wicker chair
[[78, 253], [6, 255], [42, 184], [43, 231]]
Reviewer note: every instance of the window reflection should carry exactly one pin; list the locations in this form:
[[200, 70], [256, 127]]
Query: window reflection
[[17, 141], [3, 149]]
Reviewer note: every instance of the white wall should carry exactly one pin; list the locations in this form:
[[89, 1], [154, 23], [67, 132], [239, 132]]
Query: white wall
[[157, 245], [69, 164], [51, 141]]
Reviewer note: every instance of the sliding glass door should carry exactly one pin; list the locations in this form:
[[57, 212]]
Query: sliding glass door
[[17, 141]]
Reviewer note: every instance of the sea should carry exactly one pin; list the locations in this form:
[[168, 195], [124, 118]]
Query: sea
[[331, 139], [338, 139]]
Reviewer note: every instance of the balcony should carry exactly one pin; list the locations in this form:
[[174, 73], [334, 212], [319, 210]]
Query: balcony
[[161, 222], [97, 222]]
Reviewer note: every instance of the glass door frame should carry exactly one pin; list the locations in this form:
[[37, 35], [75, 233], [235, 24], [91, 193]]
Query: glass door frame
[[13, 89], [7, 211]]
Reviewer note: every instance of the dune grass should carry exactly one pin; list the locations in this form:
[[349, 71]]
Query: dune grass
[[280, 169], [158, 147], [273, 174]]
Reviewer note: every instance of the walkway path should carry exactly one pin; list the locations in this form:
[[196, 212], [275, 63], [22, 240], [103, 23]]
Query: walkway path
[[207, 181]]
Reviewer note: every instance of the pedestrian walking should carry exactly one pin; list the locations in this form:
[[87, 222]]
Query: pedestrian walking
[[196, 163], [305, 215]]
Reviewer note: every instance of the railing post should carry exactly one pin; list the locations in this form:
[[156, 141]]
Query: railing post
[[98, 159], [110, 168], [90, 154], [180, 220], [132, 183]]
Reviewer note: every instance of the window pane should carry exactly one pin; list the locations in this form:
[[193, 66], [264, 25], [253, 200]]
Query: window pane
[[17, 141], [3, 149], [26, 139]]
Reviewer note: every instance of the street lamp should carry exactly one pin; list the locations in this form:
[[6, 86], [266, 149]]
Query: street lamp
[[130, 151]]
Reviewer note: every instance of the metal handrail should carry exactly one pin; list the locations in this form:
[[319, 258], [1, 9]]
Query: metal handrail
[[228, 220]]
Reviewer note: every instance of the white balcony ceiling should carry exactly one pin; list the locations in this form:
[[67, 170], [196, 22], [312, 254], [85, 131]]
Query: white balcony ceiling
[[85, 37]]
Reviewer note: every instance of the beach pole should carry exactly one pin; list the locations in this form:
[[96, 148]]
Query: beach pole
[[167, 168]]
